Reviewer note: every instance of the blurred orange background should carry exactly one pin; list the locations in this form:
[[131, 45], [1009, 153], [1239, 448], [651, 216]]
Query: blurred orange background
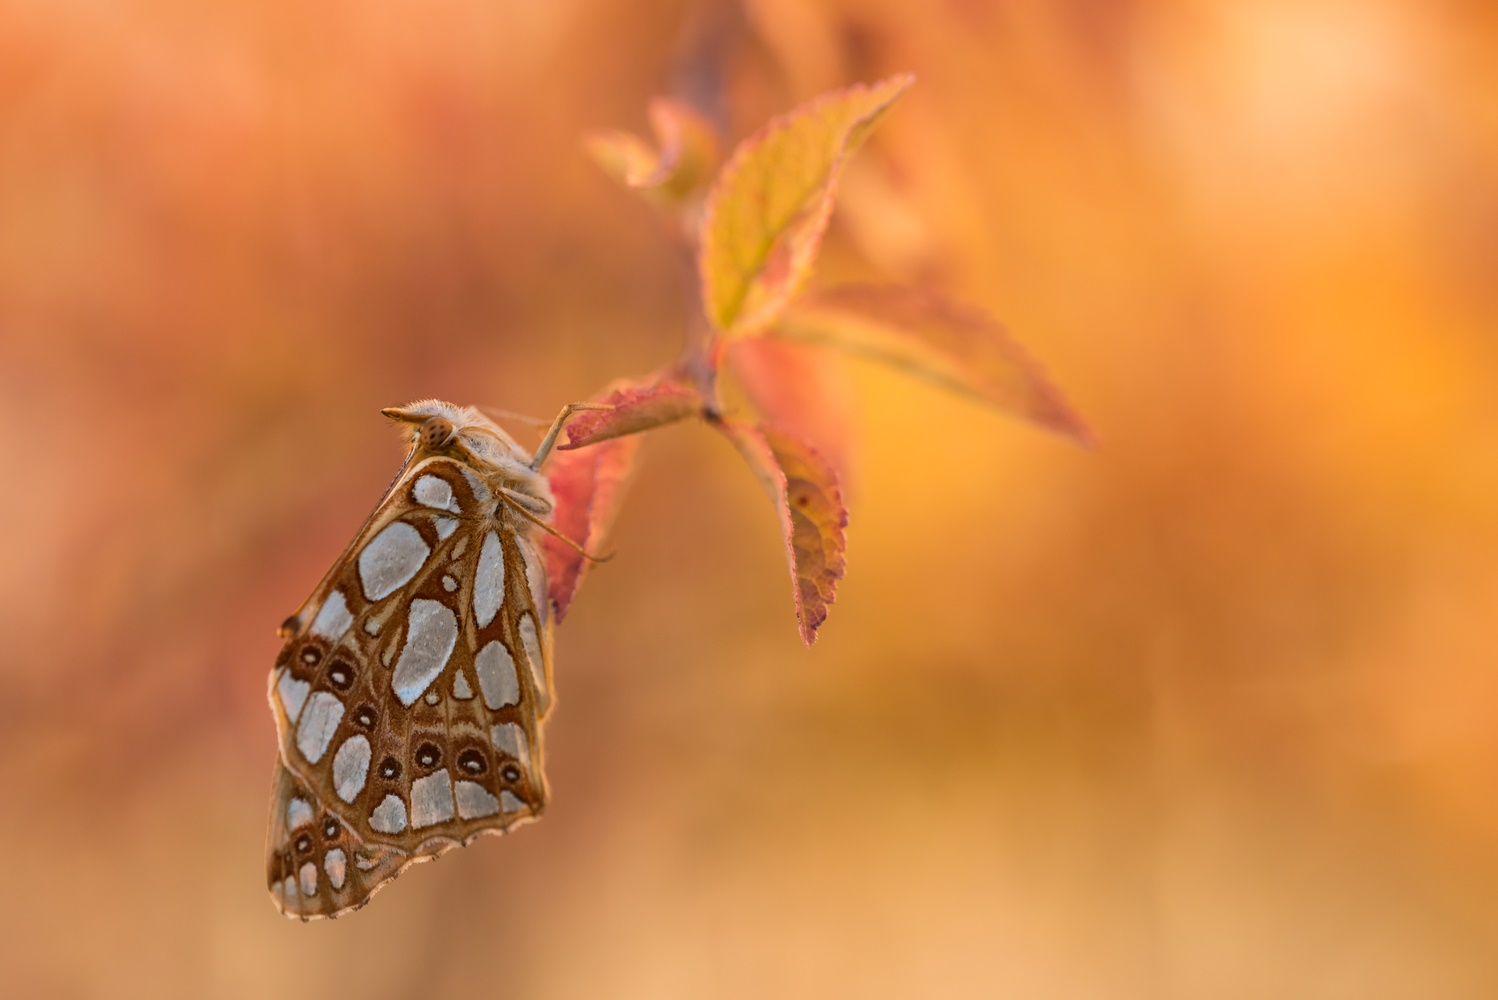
[[1208, 712]]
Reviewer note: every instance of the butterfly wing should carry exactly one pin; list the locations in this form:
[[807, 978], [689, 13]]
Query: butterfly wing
[[410, 693], [317, 865]]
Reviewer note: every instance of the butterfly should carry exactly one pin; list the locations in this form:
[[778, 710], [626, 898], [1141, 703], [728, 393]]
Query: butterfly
[[411, 689]]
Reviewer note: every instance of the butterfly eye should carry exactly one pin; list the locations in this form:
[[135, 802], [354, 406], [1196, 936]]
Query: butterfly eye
[[436, 433], [511, 773], [330, 829], [390, 769], [428, 756], [472, 761]]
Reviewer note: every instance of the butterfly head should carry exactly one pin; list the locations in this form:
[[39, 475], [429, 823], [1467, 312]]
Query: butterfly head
[[432, 426], [436, 433]]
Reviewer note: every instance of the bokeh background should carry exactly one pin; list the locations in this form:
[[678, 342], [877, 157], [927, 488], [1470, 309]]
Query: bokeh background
[[1210, 711]]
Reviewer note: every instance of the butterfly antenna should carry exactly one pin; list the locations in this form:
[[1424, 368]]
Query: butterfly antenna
[[496, 413], [517, 506]]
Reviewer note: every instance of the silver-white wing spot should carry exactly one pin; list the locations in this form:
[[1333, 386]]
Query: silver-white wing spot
[[509, 738], [290, 890], [489, 582], [333, 618], [475, 801], [496, 670], [434, 491], [461, 690], [308, 873], [510, 802], [389, 816], [335, 863], [351, 767], [535, 575], [445, 526], [391, 559], [298, 813], [319, 723], [449, 584], [430, 639], [531, 641], [432, 698], [431, 800], [293, 694]]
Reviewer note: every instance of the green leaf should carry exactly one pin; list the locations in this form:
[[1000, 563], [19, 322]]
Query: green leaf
[[769, 207], [934, 338], [809, 504]]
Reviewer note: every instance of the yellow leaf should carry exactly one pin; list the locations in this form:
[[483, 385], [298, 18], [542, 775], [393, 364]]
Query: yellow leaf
[[935, 338], [673, 171], [769, 206]]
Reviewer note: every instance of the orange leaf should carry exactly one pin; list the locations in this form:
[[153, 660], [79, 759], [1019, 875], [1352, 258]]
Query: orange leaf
[[767, 211], [635, 409], [587, 486], [935, 338], [805, 491], [683, 163], [799, 389]]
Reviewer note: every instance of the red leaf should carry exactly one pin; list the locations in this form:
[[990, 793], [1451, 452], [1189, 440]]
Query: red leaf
[[798, 389], [809, 504], [936, 338], [635, 409], [587, 486]]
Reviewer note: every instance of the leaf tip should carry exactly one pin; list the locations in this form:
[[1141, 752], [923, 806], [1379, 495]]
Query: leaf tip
[[901, 82], [810, 625], [1057, 416]]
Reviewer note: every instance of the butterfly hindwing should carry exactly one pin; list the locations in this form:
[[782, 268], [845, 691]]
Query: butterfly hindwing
[[410, 691], [316, 865]]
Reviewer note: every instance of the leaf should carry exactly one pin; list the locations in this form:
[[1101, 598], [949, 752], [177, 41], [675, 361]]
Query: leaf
[[807, 500], [683, 163], [635, 408], [587, 486], [766, 213], [795, 388], [930, 336]]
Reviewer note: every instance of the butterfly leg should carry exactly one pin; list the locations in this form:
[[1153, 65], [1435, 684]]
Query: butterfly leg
[[556, 428]]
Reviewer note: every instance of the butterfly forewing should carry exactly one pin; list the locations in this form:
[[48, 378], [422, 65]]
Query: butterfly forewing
[[410, 692]]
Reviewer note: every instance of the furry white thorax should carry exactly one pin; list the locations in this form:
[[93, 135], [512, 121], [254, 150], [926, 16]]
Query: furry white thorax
[[487, 445]]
